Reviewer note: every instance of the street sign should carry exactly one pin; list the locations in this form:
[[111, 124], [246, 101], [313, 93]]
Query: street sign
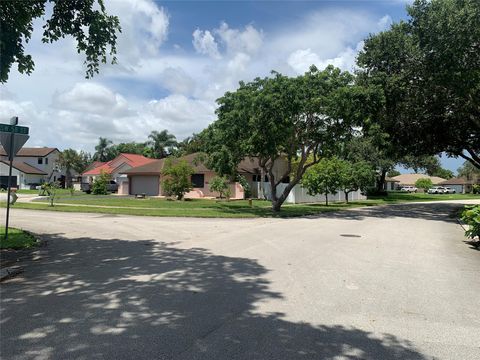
[[18, 141], [16, 129]]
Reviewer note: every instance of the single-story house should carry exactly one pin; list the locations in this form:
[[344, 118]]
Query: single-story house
[[32, 167], [460, 185], [390, 184], [411, 179], [147, 179], [115, 168]]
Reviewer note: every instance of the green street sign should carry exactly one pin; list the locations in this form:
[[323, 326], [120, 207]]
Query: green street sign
[[16, 129]]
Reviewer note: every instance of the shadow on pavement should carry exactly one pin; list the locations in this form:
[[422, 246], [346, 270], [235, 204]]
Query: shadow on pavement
[[425, 211], [115, 299]]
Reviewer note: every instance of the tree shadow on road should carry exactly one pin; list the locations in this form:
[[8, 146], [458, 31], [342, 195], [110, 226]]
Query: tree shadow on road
[[115, 299], [427, 211]]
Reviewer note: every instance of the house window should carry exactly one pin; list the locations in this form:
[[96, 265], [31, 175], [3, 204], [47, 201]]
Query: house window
[[46, 161], [256, 178], [198, 180], [40, 161]]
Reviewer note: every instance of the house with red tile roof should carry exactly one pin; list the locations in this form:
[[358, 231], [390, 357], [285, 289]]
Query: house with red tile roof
[[115, 168]]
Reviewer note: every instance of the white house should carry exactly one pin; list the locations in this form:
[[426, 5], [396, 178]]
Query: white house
[[31, 167]]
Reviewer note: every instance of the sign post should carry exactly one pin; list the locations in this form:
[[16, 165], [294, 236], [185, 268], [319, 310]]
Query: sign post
[[12, 138]]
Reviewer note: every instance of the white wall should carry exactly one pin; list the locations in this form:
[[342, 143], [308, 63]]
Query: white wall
[[299, 194]]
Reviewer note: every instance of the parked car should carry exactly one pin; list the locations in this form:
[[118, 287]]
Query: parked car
[[87, 187], [449, 190], [437, 190], [409, 189]]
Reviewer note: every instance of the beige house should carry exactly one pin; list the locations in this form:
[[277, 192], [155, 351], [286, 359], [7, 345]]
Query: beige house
[[411, 179], [460, 185]]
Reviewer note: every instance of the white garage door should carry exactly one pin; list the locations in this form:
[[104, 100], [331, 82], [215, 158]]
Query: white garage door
[[148, 185]]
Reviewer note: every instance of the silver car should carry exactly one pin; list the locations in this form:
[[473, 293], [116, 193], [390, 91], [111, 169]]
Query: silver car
[[437, 190]]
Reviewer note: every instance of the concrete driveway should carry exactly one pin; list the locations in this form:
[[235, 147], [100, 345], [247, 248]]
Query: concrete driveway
[[395, 282]]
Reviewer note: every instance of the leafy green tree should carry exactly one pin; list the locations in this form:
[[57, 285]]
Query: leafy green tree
[[393, 173], [221, 184], [424, 183], [100, 184], [177, 178], [468, 171], [428, 69], [51, 190], [441, 172], [161, 143], [324, 177], [130, 148], [298, 120], [87, 21], [69, 160], [355, 176], [104, 151], [189, 145]]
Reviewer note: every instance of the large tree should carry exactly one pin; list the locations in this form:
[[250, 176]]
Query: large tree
[[69, 160], [87, 21], [104, 151], [429, 70], [278, 118], [161, 143]]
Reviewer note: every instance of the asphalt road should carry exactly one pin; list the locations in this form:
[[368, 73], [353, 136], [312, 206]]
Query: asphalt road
[[395, 282]]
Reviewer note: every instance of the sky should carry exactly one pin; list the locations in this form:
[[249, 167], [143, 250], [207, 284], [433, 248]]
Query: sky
[[175, 58]]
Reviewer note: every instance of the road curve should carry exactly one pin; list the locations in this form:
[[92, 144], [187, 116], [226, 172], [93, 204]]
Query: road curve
[[391, 282]]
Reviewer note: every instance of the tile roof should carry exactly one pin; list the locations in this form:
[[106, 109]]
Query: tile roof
[[410, 179], [156, 166], [132, 160], [31, 151], [24, 167]]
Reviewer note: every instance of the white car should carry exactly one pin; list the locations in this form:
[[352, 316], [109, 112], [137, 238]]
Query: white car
[[409, 189], [437, 190], [449, 190]]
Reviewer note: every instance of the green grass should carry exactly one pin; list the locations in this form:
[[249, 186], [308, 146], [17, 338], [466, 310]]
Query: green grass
[[63, 192], [212, 208], [17, 239]]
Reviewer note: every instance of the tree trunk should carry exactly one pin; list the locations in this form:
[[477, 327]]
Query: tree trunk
[[381, 180], [346, 196], [326, 199]]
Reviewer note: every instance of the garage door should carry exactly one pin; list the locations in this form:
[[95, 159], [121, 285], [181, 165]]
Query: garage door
[[148, 185]]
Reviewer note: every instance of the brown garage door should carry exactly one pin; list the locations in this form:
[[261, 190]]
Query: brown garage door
[[148, 185]]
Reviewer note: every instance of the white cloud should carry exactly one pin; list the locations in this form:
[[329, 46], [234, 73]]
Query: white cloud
[[92, 98], [204, 43], [248, 41]]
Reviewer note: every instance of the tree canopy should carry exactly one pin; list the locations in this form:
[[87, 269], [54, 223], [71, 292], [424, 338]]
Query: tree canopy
[[87, 21], [297, 120], [429, 71]]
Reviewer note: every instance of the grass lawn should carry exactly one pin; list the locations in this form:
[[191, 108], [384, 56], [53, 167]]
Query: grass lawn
[[17, 239], [210, 208]]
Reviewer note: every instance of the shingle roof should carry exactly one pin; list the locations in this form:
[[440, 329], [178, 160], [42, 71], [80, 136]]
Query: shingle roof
[[155, 167], [31, 152], [391, 179], [24, 167], [457, 181], [410, 179]]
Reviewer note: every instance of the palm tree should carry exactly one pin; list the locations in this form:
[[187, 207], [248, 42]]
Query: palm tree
[[102, 152], [161, 143], [70, 160]]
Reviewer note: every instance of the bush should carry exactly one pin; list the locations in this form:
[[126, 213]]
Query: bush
[[471, 216], [476, 189], [51, 189], [424, 183], [100, 185], [220, 184], [177, 178], [247, 192]]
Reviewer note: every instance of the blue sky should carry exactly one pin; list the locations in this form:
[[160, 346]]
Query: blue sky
[[176, 57]]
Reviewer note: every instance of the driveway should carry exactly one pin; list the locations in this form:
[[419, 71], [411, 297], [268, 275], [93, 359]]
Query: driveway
[[395, 282]]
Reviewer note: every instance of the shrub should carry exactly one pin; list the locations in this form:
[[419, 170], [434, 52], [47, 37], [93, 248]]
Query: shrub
[[476, 189], [220, 184], [51, 189], [100, 185], [424, 183], [247, 192], [177, 178], [471, 216]]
